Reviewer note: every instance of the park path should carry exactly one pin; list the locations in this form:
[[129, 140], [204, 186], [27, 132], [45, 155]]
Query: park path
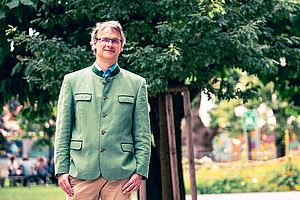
[[251, 196]]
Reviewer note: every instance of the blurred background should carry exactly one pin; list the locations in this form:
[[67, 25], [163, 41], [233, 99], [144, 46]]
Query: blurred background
[[230, 70]]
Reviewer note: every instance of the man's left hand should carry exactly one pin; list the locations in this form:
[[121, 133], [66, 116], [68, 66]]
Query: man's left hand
[[133, 184]]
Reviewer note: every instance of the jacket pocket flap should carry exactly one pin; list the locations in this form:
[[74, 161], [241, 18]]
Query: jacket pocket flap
[[126, 99], [76, 145], [83, 97], [127, 147]]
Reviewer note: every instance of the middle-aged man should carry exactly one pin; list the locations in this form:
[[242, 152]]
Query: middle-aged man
[[102, 146]]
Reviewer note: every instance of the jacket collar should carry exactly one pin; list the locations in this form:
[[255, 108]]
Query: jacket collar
[[99, 73]]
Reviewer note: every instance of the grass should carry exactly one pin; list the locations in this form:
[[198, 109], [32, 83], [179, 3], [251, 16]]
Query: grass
[[34, 192], [52, 192]]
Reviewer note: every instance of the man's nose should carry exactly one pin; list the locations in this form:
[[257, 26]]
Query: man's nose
[[110, 42]]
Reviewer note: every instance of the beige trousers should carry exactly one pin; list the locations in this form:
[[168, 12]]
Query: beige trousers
[[99, 188]]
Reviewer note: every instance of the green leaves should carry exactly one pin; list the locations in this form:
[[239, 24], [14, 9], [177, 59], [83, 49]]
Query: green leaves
[[17, 68], [171, 42], [13, 4], [51, 59]]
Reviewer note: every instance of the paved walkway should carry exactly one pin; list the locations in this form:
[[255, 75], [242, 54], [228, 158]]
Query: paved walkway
[[251, 196]]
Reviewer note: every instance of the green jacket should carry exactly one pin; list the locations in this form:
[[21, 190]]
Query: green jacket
[[103, 126]]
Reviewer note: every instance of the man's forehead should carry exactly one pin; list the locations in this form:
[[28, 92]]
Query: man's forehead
[[108, 31]]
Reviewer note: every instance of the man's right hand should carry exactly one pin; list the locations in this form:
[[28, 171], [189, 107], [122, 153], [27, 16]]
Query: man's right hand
[[64, 183]]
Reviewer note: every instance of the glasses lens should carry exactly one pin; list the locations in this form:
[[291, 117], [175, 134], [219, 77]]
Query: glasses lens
[[115, 41], [105, 40]]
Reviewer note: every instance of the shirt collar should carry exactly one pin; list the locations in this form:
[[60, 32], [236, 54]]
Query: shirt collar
[[97, 70], [112, 68], [106, 74]]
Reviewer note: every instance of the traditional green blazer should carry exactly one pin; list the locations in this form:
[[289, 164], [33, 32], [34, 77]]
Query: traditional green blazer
[[103, 125]]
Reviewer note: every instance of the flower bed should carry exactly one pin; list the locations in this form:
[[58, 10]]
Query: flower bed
[[261, 176]]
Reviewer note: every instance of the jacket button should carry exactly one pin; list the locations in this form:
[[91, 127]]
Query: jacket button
[[101, 149], [104, 97], [103, 115], [103, 82], [103, 132]]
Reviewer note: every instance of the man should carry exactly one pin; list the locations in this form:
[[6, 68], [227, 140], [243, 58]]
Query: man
[[102, 146], [26, 167]]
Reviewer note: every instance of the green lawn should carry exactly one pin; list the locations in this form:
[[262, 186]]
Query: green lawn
[[34, 192]]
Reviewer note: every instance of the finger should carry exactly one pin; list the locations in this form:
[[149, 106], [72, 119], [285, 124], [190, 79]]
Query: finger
[[133, 178], [64, 187], [129, 182], [131, 189], [68, 188], [135, 189], [64, 183], [126, 185]]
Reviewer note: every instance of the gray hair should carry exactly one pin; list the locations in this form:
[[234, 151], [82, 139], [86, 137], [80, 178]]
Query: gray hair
[[102, 25]]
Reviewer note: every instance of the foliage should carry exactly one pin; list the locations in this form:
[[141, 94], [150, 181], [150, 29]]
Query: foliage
[[236, 185], [17, 13], [53, 58], [268, 103], [194, 41], [289, 179], [4, 145], [208, 47]]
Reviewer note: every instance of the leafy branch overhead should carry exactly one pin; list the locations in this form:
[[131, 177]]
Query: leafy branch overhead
[[169, 43]]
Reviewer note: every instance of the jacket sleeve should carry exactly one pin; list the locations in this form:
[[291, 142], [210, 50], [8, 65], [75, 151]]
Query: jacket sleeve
[[63, 129], [141, 131]]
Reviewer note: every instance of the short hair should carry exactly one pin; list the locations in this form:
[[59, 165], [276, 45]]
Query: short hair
[[108, 24], [25, 157]]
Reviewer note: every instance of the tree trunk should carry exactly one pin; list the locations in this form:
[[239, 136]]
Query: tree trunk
[[280, 146], [164, 154], [202, 135], [178, 115], [159, 184], [153, 184]]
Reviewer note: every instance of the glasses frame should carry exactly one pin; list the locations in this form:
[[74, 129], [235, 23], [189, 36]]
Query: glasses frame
[[119, 41]]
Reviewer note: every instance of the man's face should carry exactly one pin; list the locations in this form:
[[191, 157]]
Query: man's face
[[108, 52]]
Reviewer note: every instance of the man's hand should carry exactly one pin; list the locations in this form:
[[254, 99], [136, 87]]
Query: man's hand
[[133, 184], [64, 183]]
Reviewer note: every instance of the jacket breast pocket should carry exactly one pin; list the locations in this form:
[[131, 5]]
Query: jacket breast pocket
[[125, 108], [126, 99], [83, 97], [82, 102], [127, 147], [76, 145]]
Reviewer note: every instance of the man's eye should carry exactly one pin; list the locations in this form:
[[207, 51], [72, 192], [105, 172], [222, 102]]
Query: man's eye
[[105, 40], [115, 41]]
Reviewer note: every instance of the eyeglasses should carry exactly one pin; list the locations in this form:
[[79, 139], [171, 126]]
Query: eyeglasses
[[106, 41]]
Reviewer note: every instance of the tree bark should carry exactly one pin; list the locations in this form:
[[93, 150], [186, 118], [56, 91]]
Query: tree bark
[[159, 183], [202, 135], [153, 184], [164, 150], [178, 115]]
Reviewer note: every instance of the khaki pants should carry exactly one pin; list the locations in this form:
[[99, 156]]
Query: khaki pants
[[99, 188]]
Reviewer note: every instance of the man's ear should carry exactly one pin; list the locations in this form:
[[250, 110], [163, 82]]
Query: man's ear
[[94, 45]]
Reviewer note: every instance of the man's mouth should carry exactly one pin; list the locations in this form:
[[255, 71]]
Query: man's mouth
[[109, 50]]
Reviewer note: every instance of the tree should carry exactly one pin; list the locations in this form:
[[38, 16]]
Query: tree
[[170, 43], [269, 105]]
